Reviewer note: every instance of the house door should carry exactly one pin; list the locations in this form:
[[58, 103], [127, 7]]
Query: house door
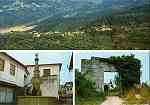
[[7, 96]]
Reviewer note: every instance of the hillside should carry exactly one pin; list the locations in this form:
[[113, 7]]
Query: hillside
[[22, 12], [14, 12], [87, 27], [129, 29]]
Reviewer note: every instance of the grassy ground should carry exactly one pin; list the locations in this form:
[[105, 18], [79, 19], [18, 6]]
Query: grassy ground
[[139, 96], [95, 100]]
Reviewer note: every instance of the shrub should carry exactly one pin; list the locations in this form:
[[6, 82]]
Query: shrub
[[139, 95], [84, 87], [131, 95]]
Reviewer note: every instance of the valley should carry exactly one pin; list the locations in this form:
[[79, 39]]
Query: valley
[[81, 25]]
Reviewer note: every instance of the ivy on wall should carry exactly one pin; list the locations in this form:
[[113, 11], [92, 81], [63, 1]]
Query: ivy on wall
[[128, 68]]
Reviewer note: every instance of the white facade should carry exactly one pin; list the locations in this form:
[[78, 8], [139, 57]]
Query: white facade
[[20, 71], [50, 84], [55, 69]]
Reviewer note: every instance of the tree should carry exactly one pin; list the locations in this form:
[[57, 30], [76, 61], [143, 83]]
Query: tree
[[84, 87]]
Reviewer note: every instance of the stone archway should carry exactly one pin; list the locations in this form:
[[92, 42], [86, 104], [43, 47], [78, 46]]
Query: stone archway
[[96, 69], [128, 68]]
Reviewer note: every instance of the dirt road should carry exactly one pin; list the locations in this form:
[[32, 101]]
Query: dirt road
[[113, 100]]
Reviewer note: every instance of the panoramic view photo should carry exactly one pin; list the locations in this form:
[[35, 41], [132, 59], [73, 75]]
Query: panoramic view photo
[[74, 24], [112, 78], [36, 78]]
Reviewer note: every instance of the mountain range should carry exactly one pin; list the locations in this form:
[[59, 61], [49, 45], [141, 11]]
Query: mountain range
[[29, 12]]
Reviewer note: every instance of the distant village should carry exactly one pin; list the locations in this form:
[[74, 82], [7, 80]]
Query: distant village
[[27, 29]]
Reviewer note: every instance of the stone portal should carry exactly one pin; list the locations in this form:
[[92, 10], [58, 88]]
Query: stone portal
[[96, 69]]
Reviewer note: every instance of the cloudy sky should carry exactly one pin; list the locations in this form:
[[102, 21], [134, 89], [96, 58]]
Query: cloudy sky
[[46, 57], [141, 55]]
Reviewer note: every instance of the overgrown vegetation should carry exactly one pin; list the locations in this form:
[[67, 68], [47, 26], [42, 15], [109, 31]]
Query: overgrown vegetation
[[85, 91], [23, 40], [139, 95], [128, 68]]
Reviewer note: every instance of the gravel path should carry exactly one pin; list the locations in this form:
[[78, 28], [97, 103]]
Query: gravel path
[[113, 100]]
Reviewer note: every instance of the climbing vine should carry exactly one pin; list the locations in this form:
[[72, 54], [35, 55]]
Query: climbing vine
[[128, 68]]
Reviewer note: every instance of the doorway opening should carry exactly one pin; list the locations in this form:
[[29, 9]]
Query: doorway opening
[[110, 83]]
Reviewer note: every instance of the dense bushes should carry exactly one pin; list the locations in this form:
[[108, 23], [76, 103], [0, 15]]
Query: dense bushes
[[85, 91], [84, 87]]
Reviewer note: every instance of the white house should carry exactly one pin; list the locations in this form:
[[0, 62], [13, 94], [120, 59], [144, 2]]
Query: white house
[[12, 77], [50, 76]]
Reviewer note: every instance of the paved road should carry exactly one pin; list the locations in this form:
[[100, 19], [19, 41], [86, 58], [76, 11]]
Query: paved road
[[112, 100]]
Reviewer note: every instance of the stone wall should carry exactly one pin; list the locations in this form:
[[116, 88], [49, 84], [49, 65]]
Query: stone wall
[[36, 100]]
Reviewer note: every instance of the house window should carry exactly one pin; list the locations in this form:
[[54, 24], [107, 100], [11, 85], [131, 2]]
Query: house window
[[1, 64], [12, 69], [47, 72]]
